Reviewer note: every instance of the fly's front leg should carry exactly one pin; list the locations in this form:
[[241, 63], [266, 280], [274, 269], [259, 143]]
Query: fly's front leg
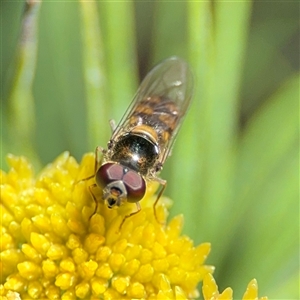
[[138, 206], [94, 198], [98, 158], [85, 179], [164, 185], [96, 165]]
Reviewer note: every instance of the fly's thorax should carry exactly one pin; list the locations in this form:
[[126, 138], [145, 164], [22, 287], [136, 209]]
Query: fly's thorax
[[135, 152], [120, 184]]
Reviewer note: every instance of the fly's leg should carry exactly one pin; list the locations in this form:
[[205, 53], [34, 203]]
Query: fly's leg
[[94, 198], [98, 158], [164, 185], [138, 206], [97, 163], [85, 179], [113, 125], [96, 166]]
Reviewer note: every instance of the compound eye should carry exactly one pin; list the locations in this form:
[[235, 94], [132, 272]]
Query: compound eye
[[135, 186], [107, 173]]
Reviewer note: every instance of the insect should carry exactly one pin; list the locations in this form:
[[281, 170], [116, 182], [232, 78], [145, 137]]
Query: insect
[[143, 139]]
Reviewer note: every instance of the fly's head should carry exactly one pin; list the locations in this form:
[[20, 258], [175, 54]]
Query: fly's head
[[120, 184]]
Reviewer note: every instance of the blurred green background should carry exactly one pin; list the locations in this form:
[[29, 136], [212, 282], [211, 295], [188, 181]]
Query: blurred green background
[[69, 67]]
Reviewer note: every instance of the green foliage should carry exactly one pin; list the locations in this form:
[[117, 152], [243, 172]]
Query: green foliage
[[234, 169]]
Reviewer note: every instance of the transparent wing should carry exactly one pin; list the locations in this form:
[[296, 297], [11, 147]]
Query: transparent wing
[[160, 102]]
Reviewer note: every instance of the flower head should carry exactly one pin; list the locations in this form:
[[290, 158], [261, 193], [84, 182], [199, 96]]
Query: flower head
[[51, 248]]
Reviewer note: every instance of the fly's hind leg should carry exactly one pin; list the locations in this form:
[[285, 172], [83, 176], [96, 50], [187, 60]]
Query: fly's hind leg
[[164, 185]]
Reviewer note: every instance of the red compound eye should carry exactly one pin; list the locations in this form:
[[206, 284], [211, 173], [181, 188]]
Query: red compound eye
[[108, 173], [135, 186], [134, 182]]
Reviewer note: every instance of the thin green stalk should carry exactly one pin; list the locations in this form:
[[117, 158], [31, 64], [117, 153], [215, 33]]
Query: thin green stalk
[[120, 44], [169, 30], [95, 75], [190, 41], [21, 110], [230, 36], [189, 155]]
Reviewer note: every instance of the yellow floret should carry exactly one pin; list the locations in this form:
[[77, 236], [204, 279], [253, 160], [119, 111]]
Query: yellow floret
[[211, 292]]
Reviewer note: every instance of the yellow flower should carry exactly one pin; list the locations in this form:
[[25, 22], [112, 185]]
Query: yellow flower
[[51, 248]]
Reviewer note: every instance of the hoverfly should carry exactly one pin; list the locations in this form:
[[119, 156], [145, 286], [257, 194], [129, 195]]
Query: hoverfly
[[143, 139]]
